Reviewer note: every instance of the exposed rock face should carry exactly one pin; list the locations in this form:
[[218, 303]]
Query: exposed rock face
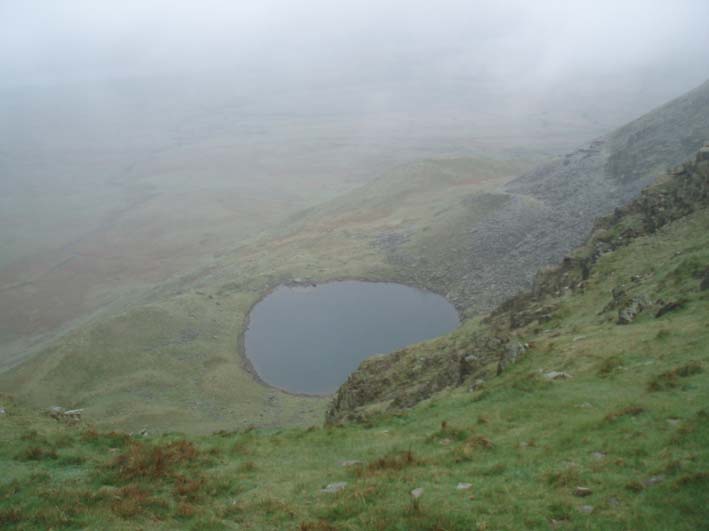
[[410, 375], [510, 355], [406, 377], [631, 310]]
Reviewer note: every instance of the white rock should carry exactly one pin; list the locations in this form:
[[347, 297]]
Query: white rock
[[556, 375], [654, 480], [417, 493], [463, 486], [350, 462], [588, 509], [2, 411], [334, 487]]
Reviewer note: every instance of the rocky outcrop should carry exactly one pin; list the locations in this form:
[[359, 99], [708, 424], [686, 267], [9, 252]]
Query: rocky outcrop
[[513, 351], [410, 375], [404, 378], [72, 416], [631, 310]]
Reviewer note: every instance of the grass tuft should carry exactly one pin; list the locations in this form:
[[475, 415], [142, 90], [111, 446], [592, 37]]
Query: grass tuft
[[670, 379]]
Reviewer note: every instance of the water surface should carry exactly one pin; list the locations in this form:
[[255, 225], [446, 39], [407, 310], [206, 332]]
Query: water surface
[[309, 339]]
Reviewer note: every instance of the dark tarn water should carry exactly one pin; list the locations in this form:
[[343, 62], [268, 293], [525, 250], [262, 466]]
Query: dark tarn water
[[308, 340]]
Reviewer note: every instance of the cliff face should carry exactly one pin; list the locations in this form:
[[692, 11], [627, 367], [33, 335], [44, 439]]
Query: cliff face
[[479, 351]]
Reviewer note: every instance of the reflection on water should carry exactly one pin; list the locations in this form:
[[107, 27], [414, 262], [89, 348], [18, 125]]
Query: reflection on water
[[309, 339]]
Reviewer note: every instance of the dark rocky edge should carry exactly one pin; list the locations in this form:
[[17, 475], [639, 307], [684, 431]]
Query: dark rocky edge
[[405, 377]]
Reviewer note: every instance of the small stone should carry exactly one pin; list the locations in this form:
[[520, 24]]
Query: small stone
[[654, 480], [350, 462], [556, 375], [463, 486], [578, 338], [445, 442], [417, 493], [586, 405], [598, 455], [586, 509], [673, 421], [613, 501], [334, 487], [582, 492], [3, 411]]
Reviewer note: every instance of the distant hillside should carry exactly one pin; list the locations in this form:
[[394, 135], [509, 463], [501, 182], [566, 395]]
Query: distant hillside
[[545, 213]]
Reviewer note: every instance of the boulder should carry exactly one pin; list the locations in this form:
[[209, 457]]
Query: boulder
[[56, 412], [582, 492], [629, 311], [73, 415], [417, 493]]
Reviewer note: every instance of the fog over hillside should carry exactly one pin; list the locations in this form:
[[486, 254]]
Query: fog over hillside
[[141, 139]]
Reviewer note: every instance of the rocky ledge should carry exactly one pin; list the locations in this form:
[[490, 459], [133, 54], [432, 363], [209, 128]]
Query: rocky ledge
[[404, 378]]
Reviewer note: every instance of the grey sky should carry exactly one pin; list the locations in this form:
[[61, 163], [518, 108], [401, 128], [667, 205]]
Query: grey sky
[[313, 41]]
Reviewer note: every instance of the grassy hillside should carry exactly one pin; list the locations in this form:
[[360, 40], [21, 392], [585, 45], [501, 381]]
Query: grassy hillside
[[592, 425], [171, 358], [173, 362]]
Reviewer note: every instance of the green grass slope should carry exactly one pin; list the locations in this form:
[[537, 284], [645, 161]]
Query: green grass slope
[[618, 442]]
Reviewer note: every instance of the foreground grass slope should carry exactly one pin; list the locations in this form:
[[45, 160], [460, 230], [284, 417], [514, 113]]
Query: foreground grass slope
[[617, 441]]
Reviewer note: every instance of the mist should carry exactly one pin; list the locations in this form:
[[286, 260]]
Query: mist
[[141, 139], [314, 41]]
